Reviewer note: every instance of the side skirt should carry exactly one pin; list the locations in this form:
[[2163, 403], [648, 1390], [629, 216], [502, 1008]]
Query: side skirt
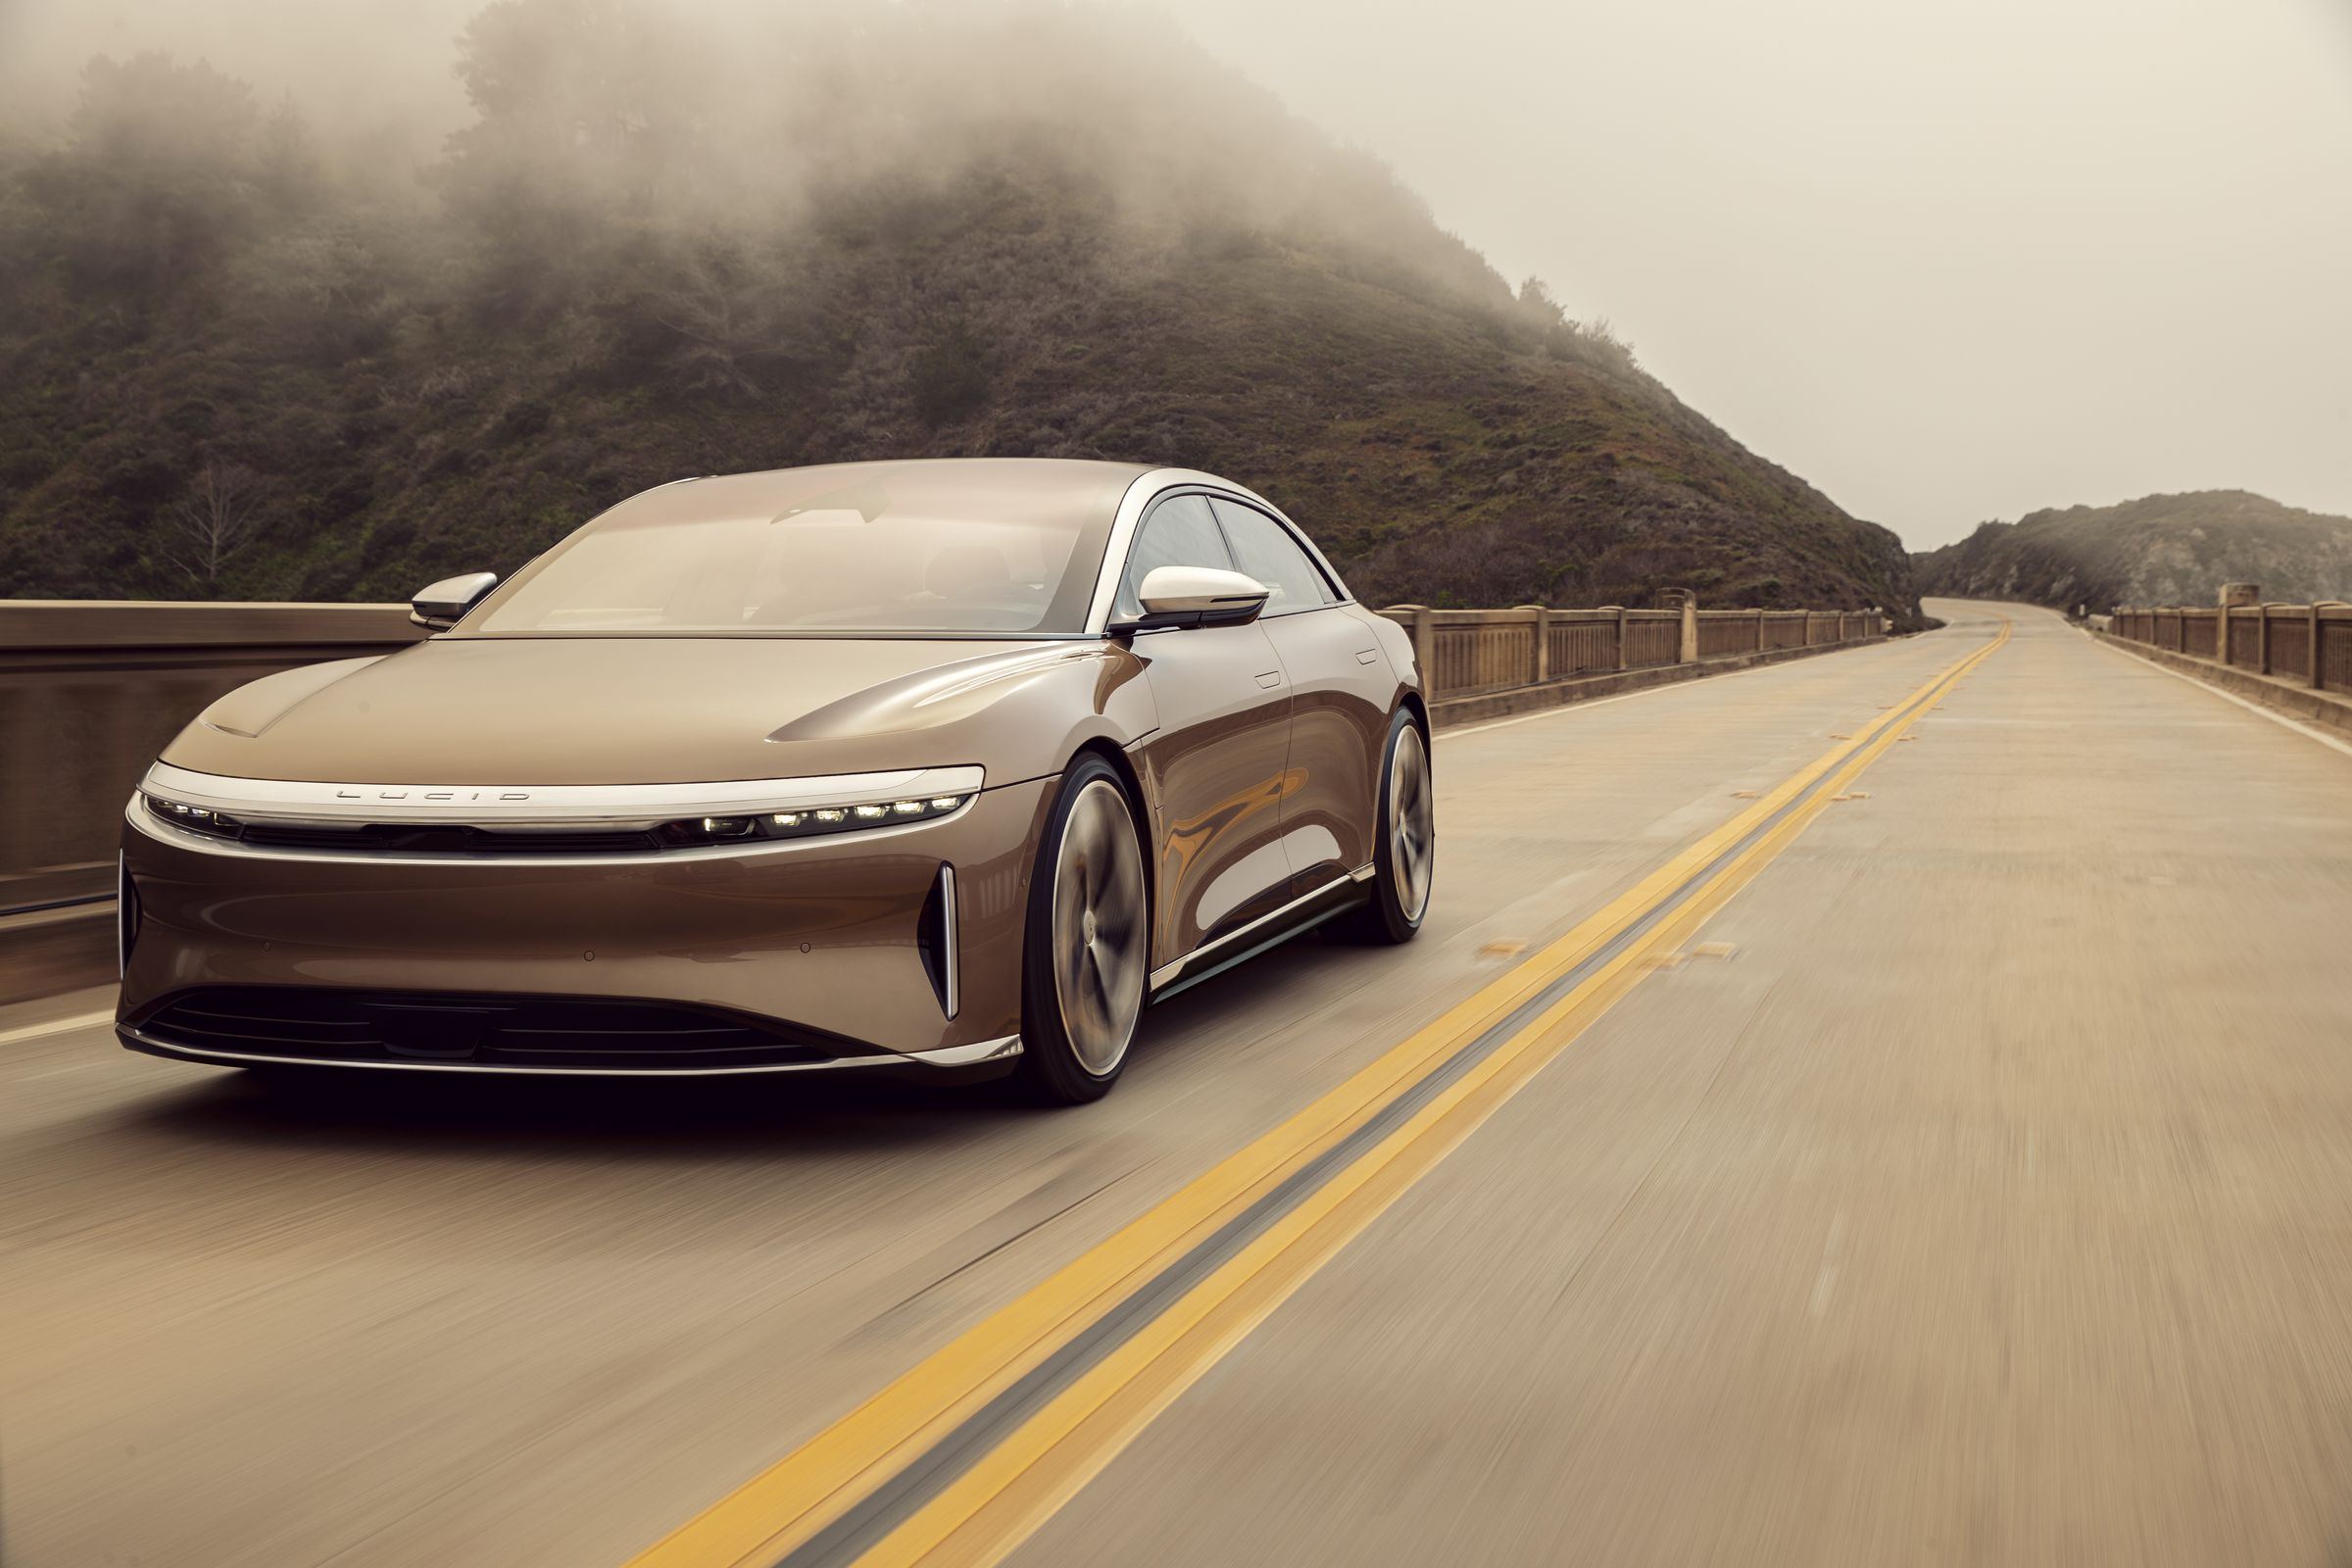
[[1295, 918]]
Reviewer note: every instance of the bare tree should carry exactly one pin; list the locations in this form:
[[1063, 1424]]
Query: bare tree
[[215, 519]]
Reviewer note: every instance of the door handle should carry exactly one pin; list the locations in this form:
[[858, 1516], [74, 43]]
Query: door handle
[[1270, 678]]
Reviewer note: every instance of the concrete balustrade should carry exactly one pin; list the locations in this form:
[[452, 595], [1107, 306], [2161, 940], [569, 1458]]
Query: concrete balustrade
[[90, 690], [2311, 644], [2294, 657], [1477, 663]]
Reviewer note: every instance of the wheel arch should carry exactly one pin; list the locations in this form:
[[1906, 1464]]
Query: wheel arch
[[1148, 841], [1415, 705]]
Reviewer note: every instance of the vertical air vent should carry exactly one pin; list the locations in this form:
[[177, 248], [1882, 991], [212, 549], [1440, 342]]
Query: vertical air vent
[[126, 914], [935, 937]]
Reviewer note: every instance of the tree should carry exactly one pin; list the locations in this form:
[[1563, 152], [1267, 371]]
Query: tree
[[286, 159], [1536, 296], [722, 318], [215, 519], [581, 102], [156, 174]]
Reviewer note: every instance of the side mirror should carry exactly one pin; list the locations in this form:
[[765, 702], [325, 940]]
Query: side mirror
[[445, 603], [1199, 595]]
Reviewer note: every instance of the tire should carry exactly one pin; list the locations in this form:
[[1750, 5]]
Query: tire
[[1405, 843], [1085, 954]]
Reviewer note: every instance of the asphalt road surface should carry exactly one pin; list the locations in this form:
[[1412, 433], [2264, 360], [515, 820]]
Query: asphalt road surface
[[1894, 1106]]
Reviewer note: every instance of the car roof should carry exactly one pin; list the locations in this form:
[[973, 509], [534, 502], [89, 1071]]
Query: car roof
[[977, 471]]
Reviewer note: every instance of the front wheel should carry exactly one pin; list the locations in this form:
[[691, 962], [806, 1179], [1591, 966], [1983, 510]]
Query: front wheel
[[1085, 955], [1404, 856]]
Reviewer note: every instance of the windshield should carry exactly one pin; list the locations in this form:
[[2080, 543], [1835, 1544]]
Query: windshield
[[979, 547]]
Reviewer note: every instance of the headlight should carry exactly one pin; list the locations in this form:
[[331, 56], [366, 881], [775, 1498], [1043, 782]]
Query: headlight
[[809, 823], [195, 819]]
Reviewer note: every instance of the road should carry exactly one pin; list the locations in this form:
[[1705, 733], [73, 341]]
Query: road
[[1975, 1186]]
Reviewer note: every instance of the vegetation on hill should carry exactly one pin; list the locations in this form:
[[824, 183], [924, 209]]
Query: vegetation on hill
[[2158, 550], [240, 358]]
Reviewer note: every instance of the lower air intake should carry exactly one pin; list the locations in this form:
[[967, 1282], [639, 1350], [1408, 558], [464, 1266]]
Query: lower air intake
[[335, 1025]]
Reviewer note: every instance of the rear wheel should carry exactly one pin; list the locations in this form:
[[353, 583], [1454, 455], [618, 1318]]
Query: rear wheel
[[1404, 857], [1083, 959]]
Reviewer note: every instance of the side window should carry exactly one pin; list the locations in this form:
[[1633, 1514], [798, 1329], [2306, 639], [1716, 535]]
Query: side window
[[1267, 552], [1180, 531]]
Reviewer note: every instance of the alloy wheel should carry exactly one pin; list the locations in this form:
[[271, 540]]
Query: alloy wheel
[[1412, 823], [1098, 927]]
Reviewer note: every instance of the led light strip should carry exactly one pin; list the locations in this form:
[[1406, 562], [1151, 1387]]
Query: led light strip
[[812, 822], [513, 838], [571, 806], [652, 821]]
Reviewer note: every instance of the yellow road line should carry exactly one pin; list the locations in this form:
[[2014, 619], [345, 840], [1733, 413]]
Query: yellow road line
[[1026, 1473], [1001, 1501]]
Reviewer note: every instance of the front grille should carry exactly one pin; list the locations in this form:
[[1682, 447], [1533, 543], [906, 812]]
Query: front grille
[[435, 838], [332, 1024]]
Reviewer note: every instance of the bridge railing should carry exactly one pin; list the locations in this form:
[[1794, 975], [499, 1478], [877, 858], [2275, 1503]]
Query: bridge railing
[[1475, 653], [2311, 644], [91, 690]]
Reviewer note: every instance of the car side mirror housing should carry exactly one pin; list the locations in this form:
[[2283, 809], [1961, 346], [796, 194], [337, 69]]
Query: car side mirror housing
[[1199, 595], [444, 604]]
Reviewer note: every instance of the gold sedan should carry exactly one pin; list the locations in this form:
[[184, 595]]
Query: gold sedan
[[944, 765]]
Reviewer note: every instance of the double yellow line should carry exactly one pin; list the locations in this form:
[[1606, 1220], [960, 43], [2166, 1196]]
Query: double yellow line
[[963, 1457]]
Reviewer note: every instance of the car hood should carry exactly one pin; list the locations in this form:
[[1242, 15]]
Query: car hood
[[661, 711]]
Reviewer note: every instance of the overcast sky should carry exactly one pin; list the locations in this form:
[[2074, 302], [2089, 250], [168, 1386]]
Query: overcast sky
[[1949, 260]]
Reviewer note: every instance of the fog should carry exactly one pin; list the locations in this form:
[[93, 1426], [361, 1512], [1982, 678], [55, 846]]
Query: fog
[[1948, 262]]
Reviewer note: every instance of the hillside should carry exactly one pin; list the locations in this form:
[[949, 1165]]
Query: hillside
[[2158, 550], [246, 363]]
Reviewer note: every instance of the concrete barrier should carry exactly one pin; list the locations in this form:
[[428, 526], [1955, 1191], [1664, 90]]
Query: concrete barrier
[[1476, 652], [1481, 663], [2309, 643], [89, 692]]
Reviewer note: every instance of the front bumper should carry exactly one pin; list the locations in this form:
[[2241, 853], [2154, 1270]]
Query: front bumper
[[828, 944], [980, 1058]]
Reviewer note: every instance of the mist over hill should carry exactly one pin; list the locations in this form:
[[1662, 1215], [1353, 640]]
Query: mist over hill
[[250, 353], [2157, 550]]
